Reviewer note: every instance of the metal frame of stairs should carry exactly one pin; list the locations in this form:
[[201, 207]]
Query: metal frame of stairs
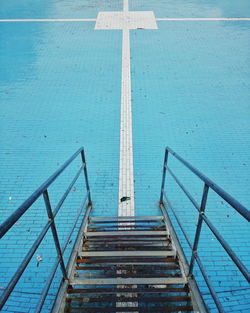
[[128, 264]]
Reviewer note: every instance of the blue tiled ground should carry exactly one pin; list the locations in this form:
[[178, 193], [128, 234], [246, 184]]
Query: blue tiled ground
[[60, 89], [193, 8], [58, 93], [199, 102], [14, 9]]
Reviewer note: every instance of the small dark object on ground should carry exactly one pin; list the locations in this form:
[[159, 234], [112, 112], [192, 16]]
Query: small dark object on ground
[[124, 199]]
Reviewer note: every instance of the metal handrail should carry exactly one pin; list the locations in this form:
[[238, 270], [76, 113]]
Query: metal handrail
[[208, 183], [43, 191], [226, 196], [55, 266]]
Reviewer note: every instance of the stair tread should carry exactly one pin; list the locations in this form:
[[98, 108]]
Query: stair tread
[[115, 267], [129, 281], [125, 274], [127, 221], [129, 226], [128, 260], [117, 218], [158, 309], [137, 289], [133, 253], [127, 232], [128, 239], [130, 298], [138, 243]]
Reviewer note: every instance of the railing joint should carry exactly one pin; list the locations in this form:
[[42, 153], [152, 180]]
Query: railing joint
[[190, 276], [195, 252]]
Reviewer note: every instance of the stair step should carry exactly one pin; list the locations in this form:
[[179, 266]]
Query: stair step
[[145, 267], [125, 253], [125, 263], [136, 243], [127, 222], [158, 309], [128, 260], [129, 281], [155, 243], [126, 248], [127, 239], [128, 299], [126, 233], [137, 290], [118, 218], [124, 227], [126, 275]]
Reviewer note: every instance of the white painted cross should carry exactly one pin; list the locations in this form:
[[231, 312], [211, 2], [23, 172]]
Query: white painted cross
[[126, 20]]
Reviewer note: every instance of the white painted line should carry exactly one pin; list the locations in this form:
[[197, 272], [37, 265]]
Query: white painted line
[[126, 170], [157, 19], [125, 20], [125, 6], [205, 19], [128, 20], [50, 20]]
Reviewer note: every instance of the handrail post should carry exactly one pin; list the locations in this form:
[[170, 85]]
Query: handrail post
[[164, 175], [54, 233], [198, 228], [86, 175]]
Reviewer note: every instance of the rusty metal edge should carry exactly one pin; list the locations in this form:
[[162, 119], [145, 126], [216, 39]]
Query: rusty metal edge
[[59, 303], [197, 300]]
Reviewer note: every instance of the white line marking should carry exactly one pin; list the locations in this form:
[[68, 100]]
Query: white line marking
[[126, 168], [128, 20], [50, 20], [126, 171], [125, 6], [205, 19], [126, 10]]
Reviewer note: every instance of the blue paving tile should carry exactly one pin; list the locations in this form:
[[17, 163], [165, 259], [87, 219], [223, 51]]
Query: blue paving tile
[[193, 8], [26, 9]]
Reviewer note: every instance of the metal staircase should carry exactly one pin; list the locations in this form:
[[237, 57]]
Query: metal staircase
[[127, 264]]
